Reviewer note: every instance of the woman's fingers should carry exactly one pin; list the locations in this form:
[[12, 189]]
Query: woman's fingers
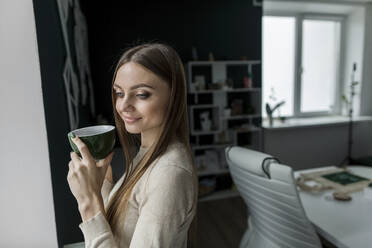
[[71, 164], [71, 168], [75, 158], [83, 149]]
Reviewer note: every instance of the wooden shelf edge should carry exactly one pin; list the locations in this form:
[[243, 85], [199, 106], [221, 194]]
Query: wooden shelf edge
[[238, 117]]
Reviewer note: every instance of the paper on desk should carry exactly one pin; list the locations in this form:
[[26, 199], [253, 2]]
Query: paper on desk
[[312, 183]]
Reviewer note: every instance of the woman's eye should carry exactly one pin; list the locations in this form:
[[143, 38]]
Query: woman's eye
[[143, 95], [119, 94]]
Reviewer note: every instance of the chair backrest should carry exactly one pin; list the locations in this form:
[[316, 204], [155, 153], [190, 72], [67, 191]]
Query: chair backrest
[[277, 217]]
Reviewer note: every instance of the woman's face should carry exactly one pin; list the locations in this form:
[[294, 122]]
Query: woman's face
[[141, 99]]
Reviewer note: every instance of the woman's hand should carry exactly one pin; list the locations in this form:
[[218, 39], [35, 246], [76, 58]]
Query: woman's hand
[[108, 175], [85, 178]]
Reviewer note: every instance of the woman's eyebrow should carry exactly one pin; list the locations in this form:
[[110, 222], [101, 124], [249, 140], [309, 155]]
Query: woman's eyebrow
[[137, 86]]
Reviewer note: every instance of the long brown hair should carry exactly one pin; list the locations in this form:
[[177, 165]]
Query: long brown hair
[[163, 61]]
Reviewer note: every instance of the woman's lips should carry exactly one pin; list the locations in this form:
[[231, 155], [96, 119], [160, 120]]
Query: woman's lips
[[130, 120]]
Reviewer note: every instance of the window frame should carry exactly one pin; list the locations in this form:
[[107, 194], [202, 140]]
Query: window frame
[[299, 19]]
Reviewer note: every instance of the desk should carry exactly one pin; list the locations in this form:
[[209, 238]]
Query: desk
[[345, 224]]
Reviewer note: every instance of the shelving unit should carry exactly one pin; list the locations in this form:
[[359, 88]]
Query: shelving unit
[[213, 87]]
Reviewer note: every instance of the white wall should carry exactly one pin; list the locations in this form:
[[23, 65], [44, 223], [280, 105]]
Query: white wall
[[354, 51], [308, 147], [26, 209], [366, 98]]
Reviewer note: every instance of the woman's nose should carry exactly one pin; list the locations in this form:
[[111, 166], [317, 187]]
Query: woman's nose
[[126, 104]]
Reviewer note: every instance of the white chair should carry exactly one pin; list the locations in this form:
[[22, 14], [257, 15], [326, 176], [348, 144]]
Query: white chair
[[276, 215]]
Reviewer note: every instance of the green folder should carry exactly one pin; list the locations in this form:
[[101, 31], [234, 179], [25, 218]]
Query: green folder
[[344, 178]]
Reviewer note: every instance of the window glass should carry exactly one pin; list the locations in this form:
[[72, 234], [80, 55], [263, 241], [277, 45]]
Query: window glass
[[320, 52], [278, 63]]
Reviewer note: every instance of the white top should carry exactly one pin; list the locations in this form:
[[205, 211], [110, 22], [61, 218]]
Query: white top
[[345, 224], [160, 210]]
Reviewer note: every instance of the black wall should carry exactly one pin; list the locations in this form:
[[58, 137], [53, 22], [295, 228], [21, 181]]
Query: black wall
[[228, 29], [52, 58]]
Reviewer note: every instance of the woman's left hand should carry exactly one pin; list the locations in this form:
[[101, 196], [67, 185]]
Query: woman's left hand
[[85, 176]]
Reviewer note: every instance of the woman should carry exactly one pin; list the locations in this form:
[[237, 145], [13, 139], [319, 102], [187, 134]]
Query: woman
[[154, 203]]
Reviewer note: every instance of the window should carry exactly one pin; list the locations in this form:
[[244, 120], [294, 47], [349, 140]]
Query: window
[[278, 62], [310, 86]]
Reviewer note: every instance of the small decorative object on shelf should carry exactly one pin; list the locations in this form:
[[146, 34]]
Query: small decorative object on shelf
[[205, 122], [199, 162], [208, 161], [222, 138], [194, 86], [248, 81], [214, 86], [211, 56], [200, 82], [228, 84], [227, 112], [237, 107]]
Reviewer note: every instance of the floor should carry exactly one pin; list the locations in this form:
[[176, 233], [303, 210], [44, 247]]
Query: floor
[[221, 223]]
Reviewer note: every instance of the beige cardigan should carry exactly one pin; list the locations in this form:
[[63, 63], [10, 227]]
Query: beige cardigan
[[160, 210]]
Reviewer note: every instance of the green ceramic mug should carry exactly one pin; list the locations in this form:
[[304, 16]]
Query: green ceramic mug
[[100, 140]]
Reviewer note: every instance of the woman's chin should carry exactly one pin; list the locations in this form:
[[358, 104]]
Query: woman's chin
[[132, 130]]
